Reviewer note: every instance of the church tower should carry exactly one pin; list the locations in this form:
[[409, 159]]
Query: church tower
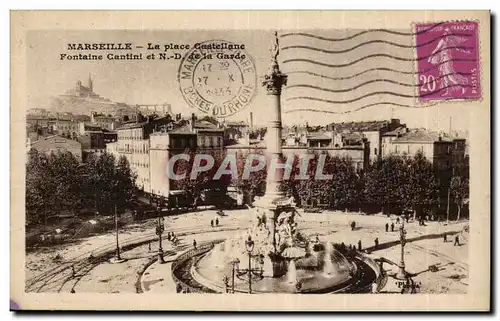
[[90, 84]]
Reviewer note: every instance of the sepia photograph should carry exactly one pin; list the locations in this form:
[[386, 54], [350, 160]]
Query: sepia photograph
[[290, 161]]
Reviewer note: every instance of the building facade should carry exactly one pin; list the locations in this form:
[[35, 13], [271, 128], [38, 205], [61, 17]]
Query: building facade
[[55, 144], [94, 142], [372, 131], [148, 143]]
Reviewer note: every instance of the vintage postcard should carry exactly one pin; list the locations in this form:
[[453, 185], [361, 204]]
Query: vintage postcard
[[250, 161]]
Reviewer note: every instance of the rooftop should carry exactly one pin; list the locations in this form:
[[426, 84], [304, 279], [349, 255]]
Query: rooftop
[[421, 135], [397, 132], [319, 135], [363, 125]]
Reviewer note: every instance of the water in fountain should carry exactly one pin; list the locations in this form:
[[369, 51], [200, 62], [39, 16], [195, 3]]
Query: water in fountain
[[291, 274], [328, 267], [217, 256], [228, 248]]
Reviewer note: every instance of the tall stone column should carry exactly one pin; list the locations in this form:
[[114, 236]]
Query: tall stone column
[[273, 82]]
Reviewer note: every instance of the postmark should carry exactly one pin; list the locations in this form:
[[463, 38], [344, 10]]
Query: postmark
[[217, 77], [448, 60]]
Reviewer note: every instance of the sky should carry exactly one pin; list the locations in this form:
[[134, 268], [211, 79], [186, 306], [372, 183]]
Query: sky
[[155, 82]]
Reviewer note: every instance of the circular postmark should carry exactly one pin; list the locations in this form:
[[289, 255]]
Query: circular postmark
[[217, 77]]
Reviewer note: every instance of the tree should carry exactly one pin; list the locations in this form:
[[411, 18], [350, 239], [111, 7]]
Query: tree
[[423, 188], [459, 190], [100, 183], [290, 186], [108, 182], [255, 183], [386, 182], [53, 184], [125, 187], [312, 189], [345, 184], [37, 194]]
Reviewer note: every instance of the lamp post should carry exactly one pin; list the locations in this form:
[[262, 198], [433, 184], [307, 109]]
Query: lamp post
[[159, 231], [402, 236], [118, 257], [249, 245], [225, 279], [249, 272], [235, 264]]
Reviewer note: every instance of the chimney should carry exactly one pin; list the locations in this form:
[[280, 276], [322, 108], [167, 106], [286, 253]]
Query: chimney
[[251, 120], [193, 120]]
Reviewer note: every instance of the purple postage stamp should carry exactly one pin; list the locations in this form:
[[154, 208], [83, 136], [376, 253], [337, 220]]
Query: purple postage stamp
[[448, 60]]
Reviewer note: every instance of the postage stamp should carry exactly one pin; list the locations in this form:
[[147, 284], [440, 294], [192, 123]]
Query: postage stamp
[[448, 60], [217, 78]]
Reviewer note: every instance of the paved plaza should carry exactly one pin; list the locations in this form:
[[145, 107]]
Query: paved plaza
[[424, 250]]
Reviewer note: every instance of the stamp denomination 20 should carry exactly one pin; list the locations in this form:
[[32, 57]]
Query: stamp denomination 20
[[448, 60], [217, 77]]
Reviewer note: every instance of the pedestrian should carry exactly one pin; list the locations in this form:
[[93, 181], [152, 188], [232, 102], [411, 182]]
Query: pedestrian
[[149, 245], [386, 227], [212, 223], [317, 239], [353, 225], [392, 227], [376, 243], [397, 220], [217, 221], [194, 244], [73, 273], [359, 245], [381, 266], [342, 247], [457, 241], [445, 238]]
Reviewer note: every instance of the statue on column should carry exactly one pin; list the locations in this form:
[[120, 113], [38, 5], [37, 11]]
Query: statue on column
[[274, 79], [275, 48]]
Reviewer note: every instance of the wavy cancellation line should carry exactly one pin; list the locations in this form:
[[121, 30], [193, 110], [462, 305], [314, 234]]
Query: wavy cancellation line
[[399, 33], [358, 109], [379, 55], [374, 94], [367, 83], [372, 42], [366, 71]]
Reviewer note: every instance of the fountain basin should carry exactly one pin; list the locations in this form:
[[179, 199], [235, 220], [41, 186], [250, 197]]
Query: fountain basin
[[351, 275]]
